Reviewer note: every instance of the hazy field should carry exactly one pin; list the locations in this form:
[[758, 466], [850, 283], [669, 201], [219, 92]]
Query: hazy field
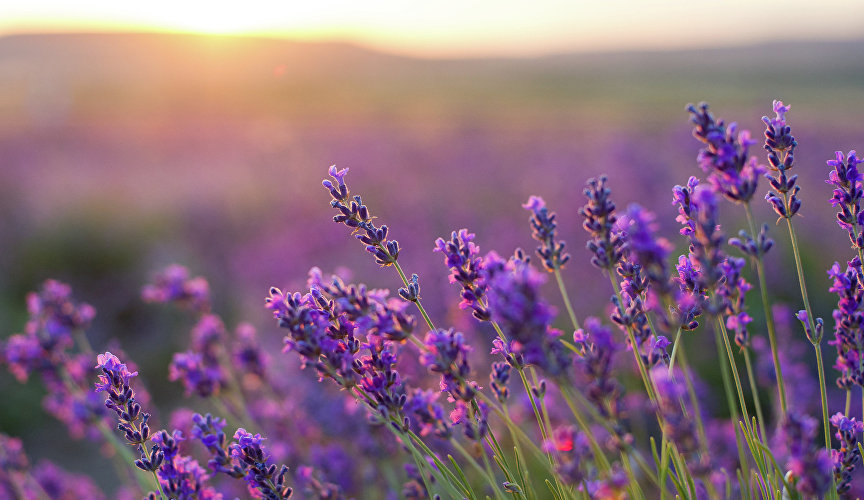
[[120, 154]]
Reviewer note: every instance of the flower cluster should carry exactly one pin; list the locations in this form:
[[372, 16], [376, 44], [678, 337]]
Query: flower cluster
[[354, 214], [780, 145], [173, 284], [133, 422], [570, 434], [847, 195], [848, 323], [725, 157], [199, 368], [810, 467], [848, 455], [260, 474], [543, 230], [606, 242], [18, 479], [462, 257], [517, 307], [327, 328]]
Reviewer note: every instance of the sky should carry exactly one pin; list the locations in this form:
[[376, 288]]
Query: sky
[[457, 28]]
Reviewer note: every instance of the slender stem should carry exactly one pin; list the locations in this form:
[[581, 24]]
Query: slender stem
[[603, 462], [566, 297], [694, 400], [821, 368], [546, 421], [816, 341], [849, 401], [800, 269], [490, 477], [769, 313], [569, 395], [674, 350], [649, 386], [755, 393], [526, 385], [734, 367], [417, 302], [730, 400]]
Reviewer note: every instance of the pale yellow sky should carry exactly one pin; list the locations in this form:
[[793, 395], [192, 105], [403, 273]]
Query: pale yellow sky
[[459, 27]]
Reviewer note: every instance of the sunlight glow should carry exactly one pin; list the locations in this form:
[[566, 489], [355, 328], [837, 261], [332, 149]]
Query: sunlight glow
[[451, 27]]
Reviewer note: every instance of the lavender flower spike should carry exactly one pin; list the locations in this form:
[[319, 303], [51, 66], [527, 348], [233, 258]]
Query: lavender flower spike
[[847, 195], [543, 230], [606, 243], [114, 380], [780, 144], [261, 474], [354, 214], [725, 157], [848, 455]]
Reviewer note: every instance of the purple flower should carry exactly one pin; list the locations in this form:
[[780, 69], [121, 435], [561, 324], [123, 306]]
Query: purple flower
[[753, 248], [543, 230], [573, 450], [208, 430], [848, 455], [425, 412], [462, 256], [597, 348], [355, 215], [780, 145], [725, 155], [697, 209], [59, 484], [180, 476], [173, 284], [498, 378], [197, 376], [606, 242], [847, 195], [678, 427], [114, 380], [516, 305], [114, 373], [261, 475], [732, 289], [447, 353], [809, 465], [646, 250], [247, 354], [848, 323]]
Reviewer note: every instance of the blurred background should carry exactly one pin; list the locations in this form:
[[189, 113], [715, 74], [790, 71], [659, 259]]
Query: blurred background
[[133, 137]]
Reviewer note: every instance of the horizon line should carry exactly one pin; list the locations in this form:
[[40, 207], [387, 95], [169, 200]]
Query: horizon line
[[387, 49]]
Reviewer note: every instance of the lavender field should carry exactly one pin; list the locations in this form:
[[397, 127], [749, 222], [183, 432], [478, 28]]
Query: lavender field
[[122, 155]]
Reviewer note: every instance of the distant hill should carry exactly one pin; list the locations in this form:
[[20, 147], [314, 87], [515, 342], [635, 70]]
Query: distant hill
[[239, 75]]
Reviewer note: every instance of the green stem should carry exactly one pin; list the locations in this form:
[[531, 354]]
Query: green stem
[[849, 401], [569, 395], [417, 302], [816, 341], [824, 394], [730, 401], [674, 350], [800, 270], [734, 367], [769, 314], [602, 461], [649, 386], [755, 394], [566, 297], [694, 401], [490, 477]]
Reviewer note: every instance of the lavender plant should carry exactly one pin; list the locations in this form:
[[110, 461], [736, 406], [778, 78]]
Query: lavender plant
[[367, 373]]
